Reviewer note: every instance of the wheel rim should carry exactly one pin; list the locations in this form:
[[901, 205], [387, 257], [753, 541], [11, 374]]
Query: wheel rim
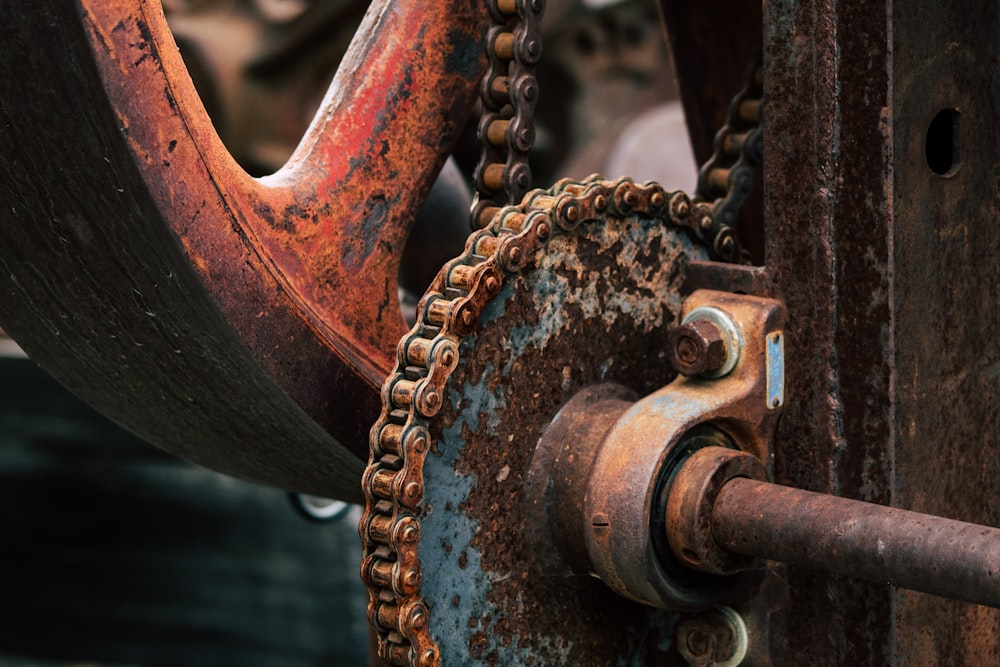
[[248, 321]]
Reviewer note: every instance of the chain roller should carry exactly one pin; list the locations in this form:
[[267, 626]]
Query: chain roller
[[726, 180], [509, 93]]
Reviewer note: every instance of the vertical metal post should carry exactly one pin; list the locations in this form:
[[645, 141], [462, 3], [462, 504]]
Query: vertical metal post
[[886, 259]]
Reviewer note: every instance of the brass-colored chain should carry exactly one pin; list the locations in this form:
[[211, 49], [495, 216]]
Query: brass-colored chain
[[413, 394], [509, 93], [726, 180]]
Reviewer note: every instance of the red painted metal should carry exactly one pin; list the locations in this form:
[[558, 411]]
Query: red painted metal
[[140, 260]]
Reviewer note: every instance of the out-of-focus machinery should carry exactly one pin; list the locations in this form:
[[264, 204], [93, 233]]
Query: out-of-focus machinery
[[754, 423]]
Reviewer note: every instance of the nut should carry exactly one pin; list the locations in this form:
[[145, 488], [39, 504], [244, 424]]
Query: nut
[[697, 347], [713, 637]]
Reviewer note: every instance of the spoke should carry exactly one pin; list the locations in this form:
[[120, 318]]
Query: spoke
[[242, 323]]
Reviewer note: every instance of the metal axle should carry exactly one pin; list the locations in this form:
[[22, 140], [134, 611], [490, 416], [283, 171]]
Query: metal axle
[[925, 553]]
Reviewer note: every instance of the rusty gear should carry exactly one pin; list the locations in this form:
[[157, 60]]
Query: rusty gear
[[413, 394]]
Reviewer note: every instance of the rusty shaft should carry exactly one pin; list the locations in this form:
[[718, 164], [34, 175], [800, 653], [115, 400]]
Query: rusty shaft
[[882, 544]]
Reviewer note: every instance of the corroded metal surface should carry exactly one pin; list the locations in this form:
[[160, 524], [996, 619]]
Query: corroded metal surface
[[240, 323], [630, 505], [890, 276], [911, 550], [690, 507], [595, 307], [945, 244]]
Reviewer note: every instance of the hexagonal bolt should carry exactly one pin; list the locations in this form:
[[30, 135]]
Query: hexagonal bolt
[[697, 347], [713, 638]]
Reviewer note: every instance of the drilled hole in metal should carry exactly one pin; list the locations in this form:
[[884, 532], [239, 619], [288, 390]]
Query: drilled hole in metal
[[941, 146]]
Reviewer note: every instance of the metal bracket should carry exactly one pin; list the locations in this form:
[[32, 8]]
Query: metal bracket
[[607, 490]]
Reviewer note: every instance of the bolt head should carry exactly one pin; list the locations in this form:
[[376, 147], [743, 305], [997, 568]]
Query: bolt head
[[697, 347], [706, 638]]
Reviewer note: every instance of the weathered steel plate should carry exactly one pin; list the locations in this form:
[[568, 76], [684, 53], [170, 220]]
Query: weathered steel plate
[[890, 275]]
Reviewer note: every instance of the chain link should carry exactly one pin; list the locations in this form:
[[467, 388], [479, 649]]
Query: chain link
[[726, 180], [509, 93]]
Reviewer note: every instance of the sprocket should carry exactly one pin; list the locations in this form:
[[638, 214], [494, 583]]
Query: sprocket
[[592, 304]]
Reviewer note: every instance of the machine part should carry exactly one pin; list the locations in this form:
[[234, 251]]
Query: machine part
[[727, 178], [707, 344], [651, 475], [262, 80], [509, 93], [566, 277], [244, 314], [697, 348], [921, 552], [244, 324], [690, 497], [720, 510], [890, 272], [630, 458], [575, 432], [714, 638], [776, 369]]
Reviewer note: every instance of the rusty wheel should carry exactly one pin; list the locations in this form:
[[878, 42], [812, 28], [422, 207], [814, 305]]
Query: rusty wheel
[[244, 324]]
